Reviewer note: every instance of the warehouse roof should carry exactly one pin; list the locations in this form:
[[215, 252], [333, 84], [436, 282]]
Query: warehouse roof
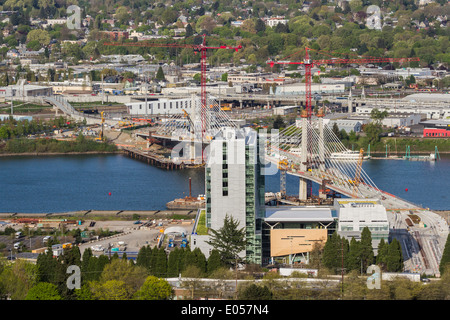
[[298, 214], [428, 97]]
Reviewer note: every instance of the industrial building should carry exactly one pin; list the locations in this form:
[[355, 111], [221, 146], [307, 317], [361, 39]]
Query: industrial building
[[436, 128], [159, 106], [300, 88], [347, 125], [24, 90]]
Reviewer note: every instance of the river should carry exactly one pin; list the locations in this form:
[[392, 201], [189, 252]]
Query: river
[[53, 184]]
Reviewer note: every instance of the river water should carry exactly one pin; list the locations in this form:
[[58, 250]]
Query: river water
[[52, 184]]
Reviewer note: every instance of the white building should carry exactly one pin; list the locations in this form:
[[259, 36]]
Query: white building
[[52, 22], [356, 214], [347, 125], [22, 90], [160, 107], [300, 89], [274, 21], [431, 112]]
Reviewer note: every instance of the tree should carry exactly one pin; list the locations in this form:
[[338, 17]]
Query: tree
[[255, 292], [394, 259], [366, 248], [278, 123], [189, 31], [110, 290], [214, 261], [332, 254], [39, 35], [161, 263], [382, 254], [173, 266], [228, 240], [43, 291], [260, 26], [154, 289], [160, 74], [122, 14], [120, 270], [377, 116], [16, 279], [445, 260], [354, 255]]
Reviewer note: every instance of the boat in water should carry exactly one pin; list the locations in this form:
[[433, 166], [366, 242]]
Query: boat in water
[[346, 155], [187, 203]]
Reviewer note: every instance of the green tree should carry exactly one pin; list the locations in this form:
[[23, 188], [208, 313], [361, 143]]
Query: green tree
[[278, 123], [154, 289], [214, 261], [445, 260], [394, 259], [367, 256], [16, 279], [160, 74], [39, 35], [228, 240], [354, 255], [173, 266], [43, 291], [120, 270], [334, 250], [161, 263], [382, 254], [111, 290], [255, 292]]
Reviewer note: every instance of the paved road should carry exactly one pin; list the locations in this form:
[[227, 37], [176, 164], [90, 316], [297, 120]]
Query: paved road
[[423, 243]]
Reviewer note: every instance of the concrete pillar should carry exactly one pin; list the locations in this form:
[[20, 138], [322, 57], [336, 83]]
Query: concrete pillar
[[303, 183], [321, 146]]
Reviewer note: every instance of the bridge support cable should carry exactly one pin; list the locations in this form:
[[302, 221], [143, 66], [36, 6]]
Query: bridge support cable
[[206, 121], [327, 159]]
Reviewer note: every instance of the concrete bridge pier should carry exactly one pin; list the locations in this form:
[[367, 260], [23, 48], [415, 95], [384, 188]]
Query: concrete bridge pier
[[303, 183]]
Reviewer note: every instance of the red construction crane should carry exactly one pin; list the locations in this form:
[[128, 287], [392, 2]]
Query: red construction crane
[[310, 63], [202, 48]]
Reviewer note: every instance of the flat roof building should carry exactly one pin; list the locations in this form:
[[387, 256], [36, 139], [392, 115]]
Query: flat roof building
[[290, 232], [234, 187], [356, 214]]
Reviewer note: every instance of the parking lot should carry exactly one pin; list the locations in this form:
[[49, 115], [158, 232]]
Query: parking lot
[[131, 235]]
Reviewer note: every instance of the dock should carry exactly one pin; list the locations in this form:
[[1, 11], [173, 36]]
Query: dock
[[156, 160]]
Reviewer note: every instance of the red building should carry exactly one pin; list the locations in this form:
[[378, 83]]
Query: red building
[[436, 129]]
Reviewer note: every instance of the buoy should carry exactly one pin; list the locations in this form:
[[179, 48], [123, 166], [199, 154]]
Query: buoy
[[109, 193], [406, 189]]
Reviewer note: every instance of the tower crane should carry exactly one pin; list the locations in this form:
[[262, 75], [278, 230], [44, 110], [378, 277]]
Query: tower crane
[[198, 48], [308, 63]]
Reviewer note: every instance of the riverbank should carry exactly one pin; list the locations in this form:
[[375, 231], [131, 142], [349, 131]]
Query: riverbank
[[105, 214], [32, 154], [48, 146]]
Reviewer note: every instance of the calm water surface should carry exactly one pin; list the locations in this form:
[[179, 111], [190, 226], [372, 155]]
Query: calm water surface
[[114, 182]]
